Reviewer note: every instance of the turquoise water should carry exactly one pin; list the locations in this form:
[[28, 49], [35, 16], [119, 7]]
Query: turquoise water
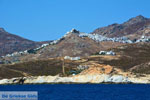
[[85, 91]]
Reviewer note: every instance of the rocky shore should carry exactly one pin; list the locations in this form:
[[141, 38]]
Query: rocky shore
[[96, 73], [99, 78]]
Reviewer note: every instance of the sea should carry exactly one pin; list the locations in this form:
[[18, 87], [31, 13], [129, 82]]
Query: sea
[[85, 91]]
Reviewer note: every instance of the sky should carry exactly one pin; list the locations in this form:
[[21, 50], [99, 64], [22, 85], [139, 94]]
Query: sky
[[41, 20]]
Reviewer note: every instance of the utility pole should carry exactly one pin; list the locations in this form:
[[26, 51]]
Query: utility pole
[[63, 66]]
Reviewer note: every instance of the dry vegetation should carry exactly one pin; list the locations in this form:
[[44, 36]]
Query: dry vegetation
[[37, 67]]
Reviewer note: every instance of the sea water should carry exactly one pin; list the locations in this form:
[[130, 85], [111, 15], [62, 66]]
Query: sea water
[[85, 91]]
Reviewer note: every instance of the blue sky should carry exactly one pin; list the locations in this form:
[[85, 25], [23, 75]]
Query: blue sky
[[41, 20]]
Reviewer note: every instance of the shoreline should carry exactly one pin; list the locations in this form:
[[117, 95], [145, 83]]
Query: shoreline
[[108, 83], [77, 79]]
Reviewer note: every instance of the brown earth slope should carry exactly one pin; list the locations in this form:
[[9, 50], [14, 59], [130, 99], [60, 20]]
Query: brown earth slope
[[10, 43], [71, 45], [133, 28], [129, 58]]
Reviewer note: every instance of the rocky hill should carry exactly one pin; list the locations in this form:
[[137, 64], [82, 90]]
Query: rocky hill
[[130, 58], [76, 43], [10, 43], [122, 46], [71, 44], [133, 28]]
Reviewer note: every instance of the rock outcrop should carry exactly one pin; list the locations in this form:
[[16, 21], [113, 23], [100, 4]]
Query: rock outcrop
[[95, 74], [98, 69], [97, 78]]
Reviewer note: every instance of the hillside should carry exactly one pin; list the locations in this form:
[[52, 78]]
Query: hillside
[[134, 28], [76, 43], [71, 44], [130, 55], [10, 43], [129, 58]]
